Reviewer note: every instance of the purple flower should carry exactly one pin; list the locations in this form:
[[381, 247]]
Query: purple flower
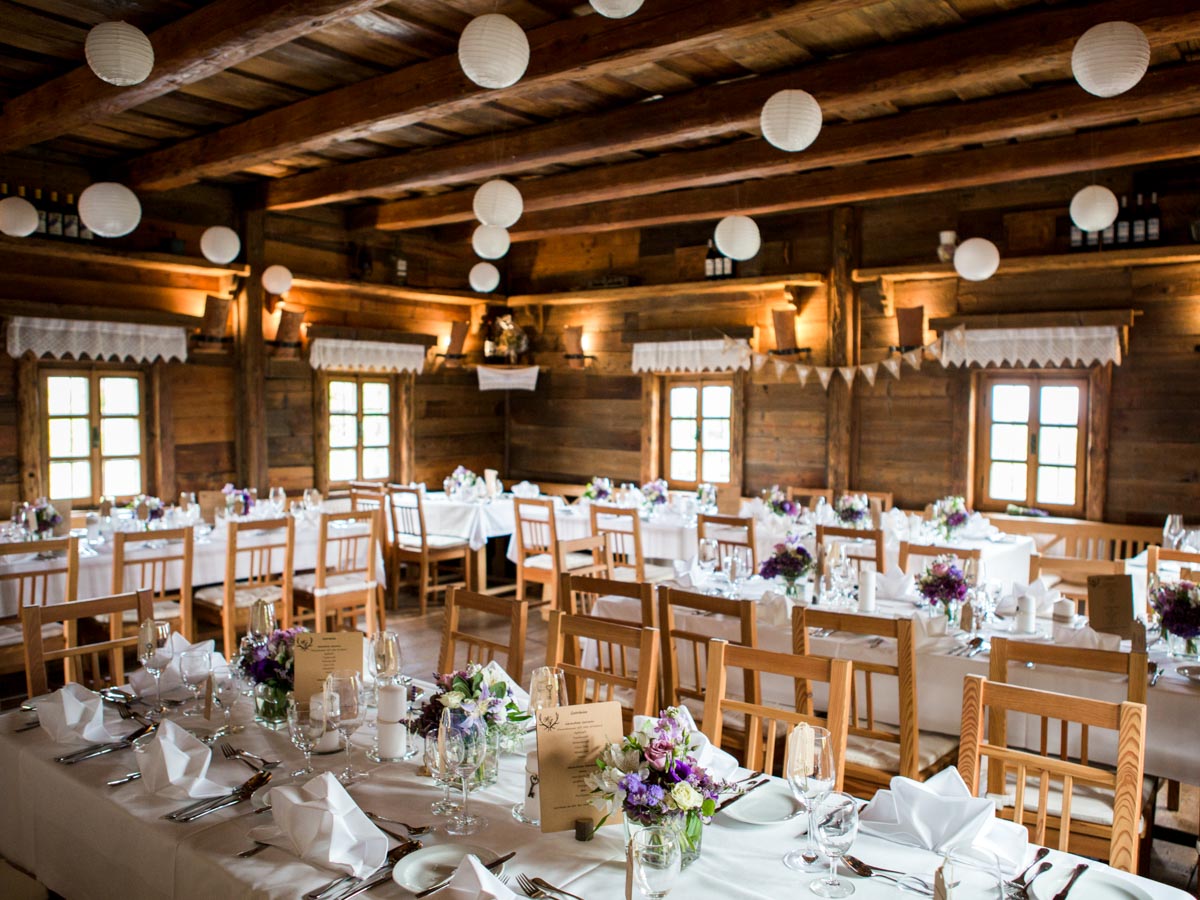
[[658, 753], [956, 519], [1178, 607]]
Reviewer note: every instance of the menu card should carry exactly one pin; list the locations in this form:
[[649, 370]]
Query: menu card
[[317, 655], [569, 740], [1110, 604]]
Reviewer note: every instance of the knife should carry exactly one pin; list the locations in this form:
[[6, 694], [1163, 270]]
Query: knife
[[125, 779], [209, 804], [338, 889], [1079, 870], [100, 749], [491, 867], [734, 799]]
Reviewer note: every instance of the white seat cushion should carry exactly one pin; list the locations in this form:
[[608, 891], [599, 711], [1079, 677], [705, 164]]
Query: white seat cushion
[[163, 609], [875, 753], [543, 561], [10, 635], [435, 541], [243, 595], [1088, 802], [334, 584]]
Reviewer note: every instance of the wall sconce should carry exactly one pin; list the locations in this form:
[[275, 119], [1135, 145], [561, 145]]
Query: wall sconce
[[573, 341], [215, 322], [784, 321], [910, 328], [287, 335], [454, 356]]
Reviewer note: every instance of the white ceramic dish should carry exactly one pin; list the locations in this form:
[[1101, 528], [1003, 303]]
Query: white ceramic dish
[[770, 804], [431, 865], [1092, 885], [1191, 673]]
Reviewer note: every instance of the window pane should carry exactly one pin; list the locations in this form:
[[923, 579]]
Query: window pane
[[683, 465], [1006, 481], [1060, 405], [343, 465], [120, 437], [1010, 442], [121, 477], [375, 397], [118, 396], [376, 432], [683, 434], [66, 395], [683, 402], [1058, 445], [69, 437], [375, 463], [1010, 403], [716, 466], [343, 431], [714, 435], [69, 480], [717, 401], [343, 397], [1056, 484]]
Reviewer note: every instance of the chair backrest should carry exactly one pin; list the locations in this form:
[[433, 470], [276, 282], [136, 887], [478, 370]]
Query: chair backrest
[[152, 570], [609, 665], [763, 721], [367, 495], [536, 528], [351, 549], [594, 545], [1073, 573], [807, 496], [263, 551], [882, 498], [729, 532], [932, 551], [35, 618], [1189, 575], [407, 508], [1156, 555], [1080, 538], [578, 595], [844, 535], [681, 643], [985, 699], [488, 615], [53, 579], [862, 717], [623, 525]]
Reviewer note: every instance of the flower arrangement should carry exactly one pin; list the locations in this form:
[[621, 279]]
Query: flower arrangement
[[654, 493], [231, 497], [1178, 607], [598, 489], [273, 662], [943, 583], [790, 560], [777, 502], [949, 515], [45, 517], [511, 340], [852, 510], [462, 477], [706, 495], [155, 508], [480, 691]]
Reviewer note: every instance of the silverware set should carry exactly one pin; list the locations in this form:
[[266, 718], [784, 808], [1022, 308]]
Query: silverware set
[[348, 885], [539, 887], [491, 867], [1015, 889], [95, 750], [253, 761], [205, 807], [972, 648], [725, 804]]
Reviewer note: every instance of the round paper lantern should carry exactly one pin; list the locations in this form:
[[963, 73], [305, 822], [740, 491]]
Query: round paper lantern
[[498, 203], [109, 209], [493, 51], [220, 244], [490, 241], [616, 9], [1110, 58], [737, 237], [18, 217], [976, 259], [277, 279], [119, 53], [791, 120], [484, 278], [1094, 208]]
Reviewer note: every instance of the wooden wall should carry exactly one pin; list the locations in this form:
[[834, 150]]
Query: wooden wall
[[10, 463], [455, 424], [202, 404]]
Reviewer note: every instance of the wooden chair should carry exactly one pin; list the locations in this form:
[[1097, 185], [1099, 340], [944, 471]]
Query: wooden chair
[[1058, 813], [371, 495], [593, 547], [1191, 575], [338, 592], [412, 544], [763, 733], [876, 752], [807, 496], [613, 674], [480, 648], [38, 651], [856, 535], [882, 498], [729, 531], [150, 570], [1156, 555], [578, 595], [1080, 538], [265, 551], [932, 551], [1069, 574], [623, 525], [50, 581], [537, 543]]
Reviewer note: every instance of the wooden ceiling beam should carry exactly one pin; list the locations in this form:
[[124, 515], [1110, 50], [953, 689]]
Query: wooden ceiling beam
[[215, 37], [1027, 43], [565, 51]]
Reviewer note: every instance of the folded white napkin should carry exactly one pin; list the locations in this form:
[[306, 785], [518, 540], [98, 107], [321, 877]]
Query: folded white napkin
[[894, 585], [321, 824], [175, 764], [716, 761], [1085, 637], [894, 523], [1044, 597], [977, 528], [687, 572], [941, 815], [472, 881], [74, 713], [525, 490], [824, 515], [493, 672], [775, 609], [926, 639], [142, 681]]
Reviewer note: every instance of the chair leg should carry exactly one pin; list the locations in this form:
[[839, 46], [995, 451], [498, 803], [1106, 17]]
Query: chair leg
[[423, 585], [1173, 795]]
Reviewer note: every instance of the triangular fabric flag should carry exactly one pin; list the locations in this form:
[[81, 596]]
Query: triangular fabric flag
[[759, 360], [913, 358], [781, 367], [869, 371], [802, 372], [892, 364], [934, 349], [824, 373], [848, 374]]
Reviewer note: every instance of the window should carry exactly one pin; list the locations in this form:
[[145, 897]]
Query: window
[[360, 429], [94, 444], [698, 445], [1033, 441]]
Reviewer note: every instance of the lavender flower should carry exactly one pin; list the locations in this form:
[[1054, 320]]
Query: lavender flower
[[777, 502], [851, 509], [790, 560], [943, 583], [1178, 607]]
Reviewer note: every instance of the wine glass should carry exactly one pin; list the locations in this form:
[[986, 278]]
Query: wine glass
[[154, 653], [228, 689], [386, 658], [344, 710], [306, 727], [441, 776], [462, 746], [1173, 532], [745, 560], [547, 689], [810, 771], [837, 827], [311, 496], [278, 500], [194, 668], [657, 859]]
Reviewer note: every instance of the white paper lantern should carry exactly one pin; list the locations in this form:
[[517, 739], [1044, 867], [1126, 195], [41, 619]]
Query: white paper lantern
[[976, 259], [119, 53], [109, 209], [616, 9], [277, 280], [484, 277], [1110, 58], [490, 241], [791, 120], [18, 217], [493, 51], [1094, 208], [220, 244], [737, 237], [498, 203]]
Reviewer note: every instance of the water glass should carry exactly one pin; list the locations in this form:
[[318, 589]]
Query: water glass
[[344, 710], [657, 858], [1173, 532], [462, 747], [440, 775], [227, 688], [837, 827], [194, 668], [386, 658], [278, 500], [547, 689], [154, 653], [306, 727], [811, 771], [708, 555]]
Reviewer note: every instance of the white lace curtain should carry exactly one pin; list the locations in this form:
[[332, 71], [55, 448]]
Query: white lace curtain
[[721, 355], [495, 378], [366, 356], [1067, 346], [81, 339]]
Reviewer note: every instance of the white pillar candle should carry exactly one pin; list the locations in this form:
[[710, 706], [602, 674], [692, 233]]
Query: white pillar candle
[[533, 799], [392, 738], [866, 591], [1026, 615], [392, 705]]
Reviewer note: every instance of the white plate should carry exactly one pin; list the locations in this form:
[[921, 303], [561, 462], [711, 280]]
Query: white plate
[[768, 805], [1191, 673], [1092, 884], [431, 865]]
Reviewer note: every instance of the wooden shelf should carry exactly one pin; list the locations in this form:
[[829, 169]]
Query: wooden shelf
[[394, 291], [656, 291], [82, 252], [1060, 262], [1122, 318], [385, 335], [133, 314]]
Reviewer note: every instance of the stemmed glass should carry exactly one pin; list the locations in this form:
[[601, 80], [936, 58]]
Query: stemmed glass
[[708, 555], [810, 772], [278, 500], [194, 668], [154, 653], [306, 727], [462, 745], [1173, 532], [657, 859], [386, 658], [441, 776], [227, 689], [344, 710], [547, 689], [837, 818]]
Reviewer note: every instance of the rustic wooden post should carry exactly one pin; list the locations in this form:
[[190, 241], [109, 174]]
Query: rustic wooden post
[[1099, 415], [29, 428], [405, 436], [843, 349], [651, 426], [251, 426]]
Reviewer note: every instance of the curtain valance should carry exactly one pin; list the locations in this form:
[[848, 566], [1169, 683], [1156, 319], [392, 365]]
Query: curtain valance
[[366, 356], [1063, 346], [498, 378], [80, 339], [720, 355]]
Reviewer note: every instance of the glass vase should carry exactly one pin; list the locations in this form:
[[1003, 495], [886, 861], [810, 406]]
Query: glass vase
[[270, 706], [488, 772], [1183, 647], [792, 591], [689, 829]]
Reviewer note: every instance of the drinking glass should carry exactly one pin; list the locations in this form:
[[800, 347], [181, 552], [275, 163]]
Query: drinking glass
[[1173, 532], [306, 727], [809, 775], [441, 776], [708, 555], [278, 500], [194, 668], [311, 498], [547, 689], [745, 560], [837, 827], [344, 710], [462, 746], [155, 656], [656, 860], [386, 659], [228, 689]]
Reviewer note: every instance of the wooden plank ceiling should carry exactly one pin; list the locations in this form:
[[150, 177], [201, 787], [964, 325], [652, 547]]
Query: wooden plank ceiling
[[617, 123]]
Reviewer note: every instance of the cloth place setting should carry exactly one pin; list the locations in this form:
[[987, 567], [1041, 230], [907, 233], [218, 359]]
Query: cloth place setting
[[73, 713], [143, 682], [894, 585], [1085, 637], [175, 764], [472, 881], [526, 491], [1044, 597]]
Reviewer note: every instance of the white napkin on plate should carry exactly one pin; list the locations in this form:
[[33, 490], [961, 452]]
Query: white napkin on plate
[[493, 672], [894, 523], [716, 761], [472, 881], [1085, 637], [1044, 597], [74, 713], [175, 764], [320, 823], [525, 490], [977, 528], [941, 815], [925, 640], [142, 681], [894, 585]]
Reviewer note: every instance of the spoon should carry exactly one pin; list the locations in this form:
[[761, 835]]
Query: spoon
[[1041, 854], [905, 882], [1044, 867], [1156, 671], [970, 645]]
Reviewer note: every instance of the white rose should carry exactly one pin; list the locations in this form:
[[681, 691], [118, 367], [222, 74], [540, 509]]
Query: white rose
[[686, 796], [453, 699]]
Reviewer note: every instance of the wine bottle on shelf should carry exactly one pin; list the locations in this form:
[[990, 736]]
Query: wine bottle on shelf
[[1091, 239], [85, 233], [1153, 220], [1123, 221], [70, 219], [1076, 238], [712, 261], [1108, 236], [40, 205], [1138, 226], [54, 217]]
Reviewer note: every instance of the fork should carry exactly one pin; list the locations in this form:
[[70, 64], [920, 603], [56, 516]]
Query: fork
[[414, 830], [539, 887], [231, 752]]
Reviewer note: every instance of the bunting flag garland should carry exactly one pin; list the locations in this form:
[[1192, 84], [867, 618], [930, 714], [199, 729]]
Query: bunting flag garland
[[803, 372], [934, 349], [781, 367], [847, 372], [892, 364], [824, 373], [869, 371], [758, 360], [913, 358]]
